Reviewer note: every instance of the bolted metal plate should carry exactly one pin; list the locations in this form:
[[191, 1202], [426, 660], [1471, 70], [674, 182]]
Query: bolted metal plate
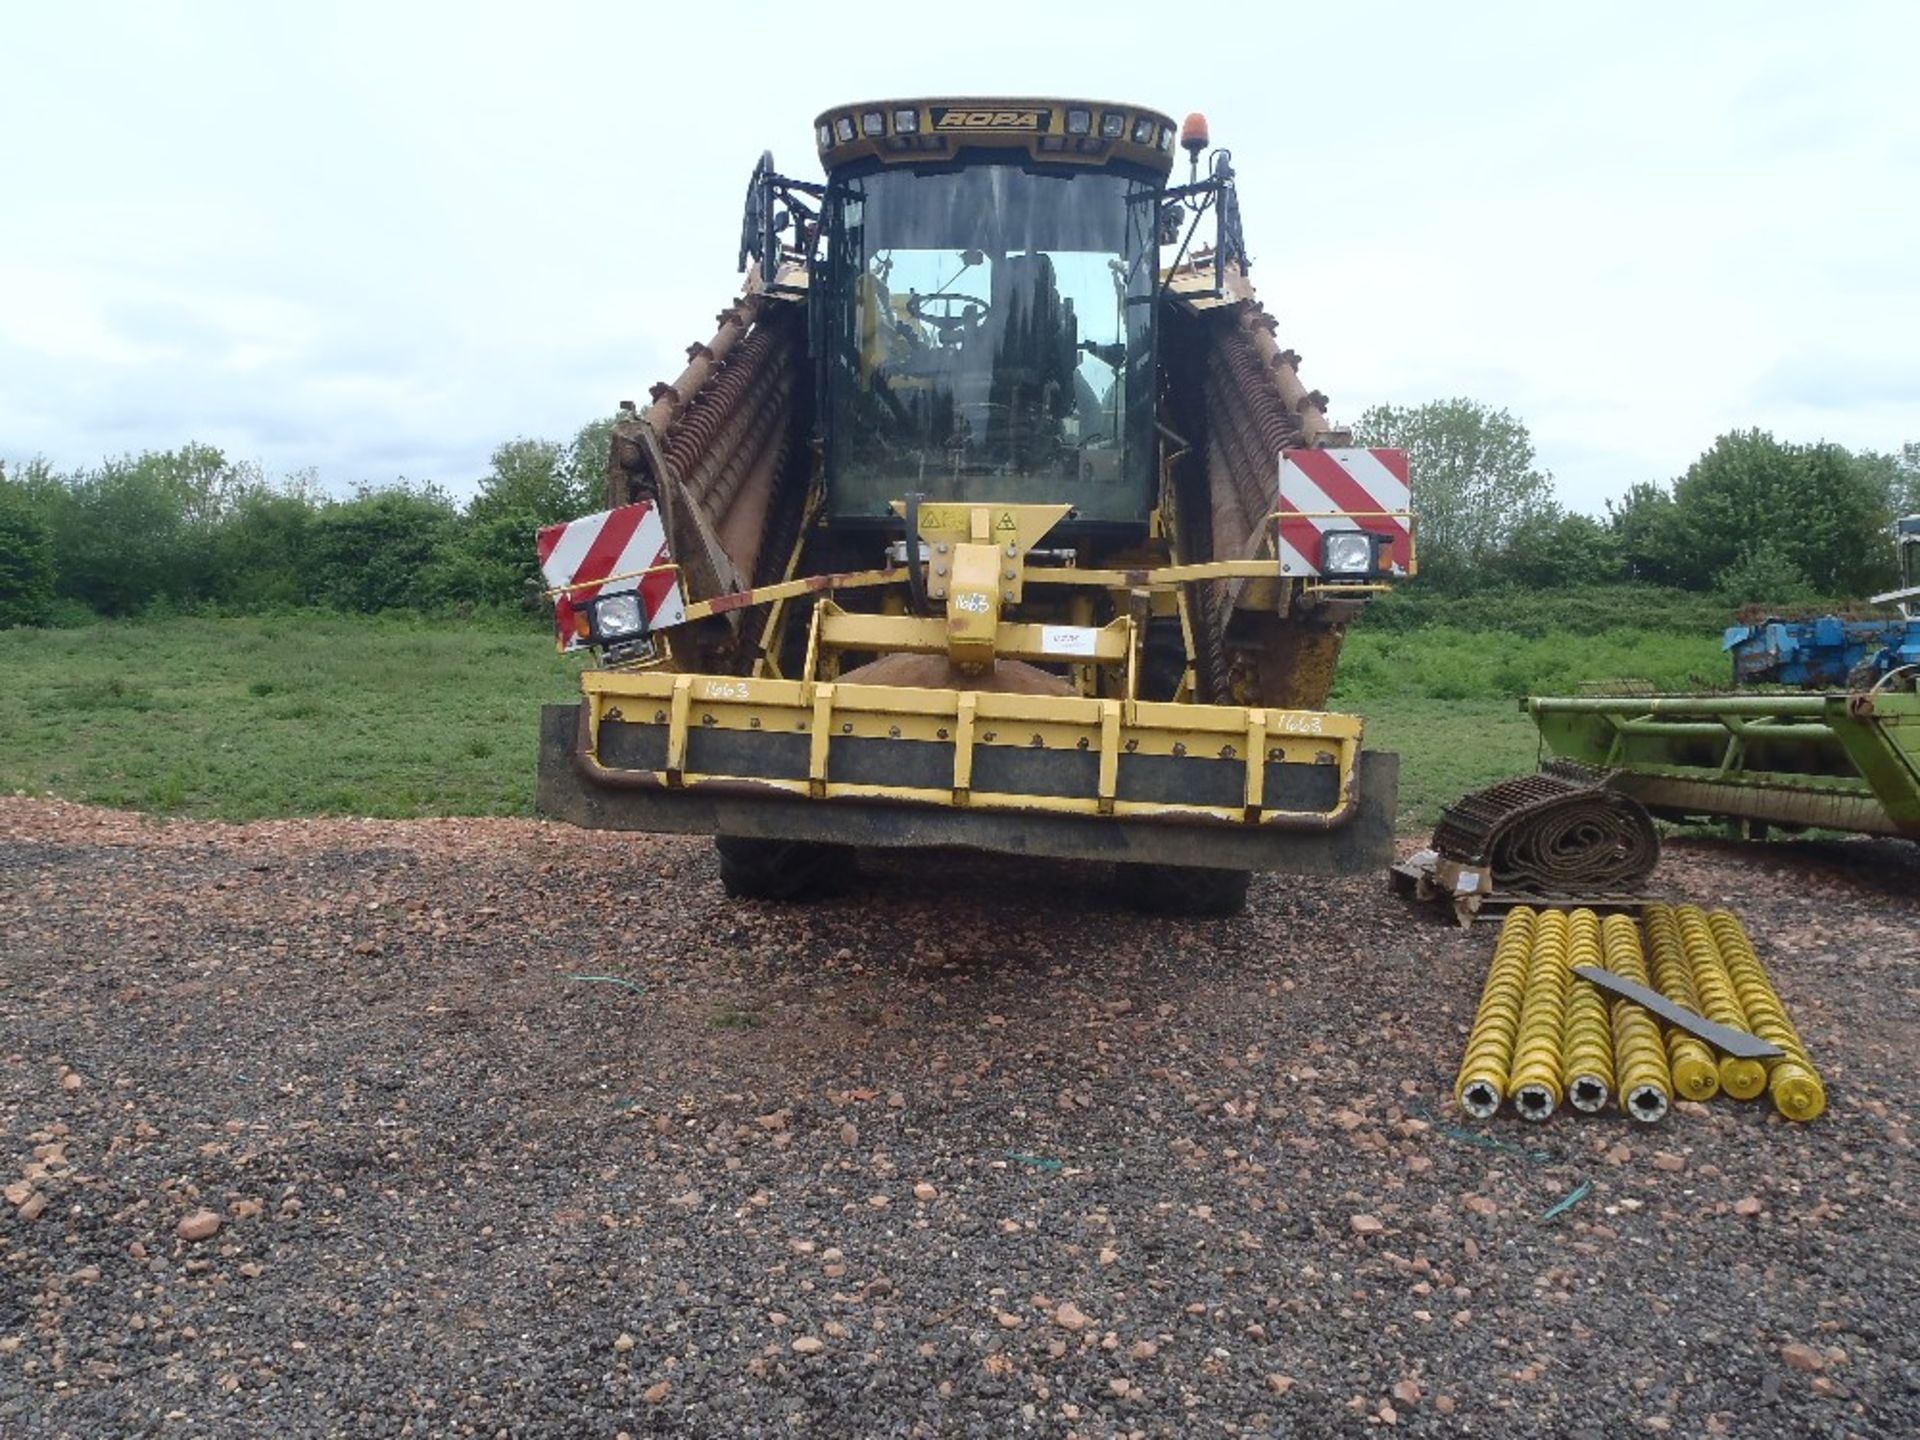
[[568, 792]]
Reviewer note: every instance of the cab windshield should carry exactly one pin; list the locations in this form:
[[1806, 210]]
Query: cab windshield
[[990, 339]]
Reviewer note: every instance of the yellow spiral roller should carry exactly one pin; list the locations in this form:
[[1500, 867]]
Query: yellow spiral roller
[[1482, 1082], [1586, 1048], [1719, 1001], [1694, 1073], [1639, 1057], [1792, 1081], [1534, 1081]]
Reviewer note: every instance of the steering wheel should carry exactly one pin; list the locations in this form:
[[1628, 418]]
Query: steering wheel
[[947, 323]]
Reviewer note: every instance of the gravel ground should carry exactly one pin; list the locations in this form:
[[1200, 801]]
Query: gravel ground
[[989, 1159]]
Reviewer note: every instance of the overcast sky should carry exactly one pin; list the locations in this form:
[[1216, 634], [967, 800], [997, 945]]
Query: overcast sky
[[377, 239]]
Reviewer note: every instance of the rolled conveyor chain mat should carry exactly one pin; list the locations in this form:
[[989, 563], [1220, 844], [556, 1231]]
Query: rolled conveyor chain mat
[[1560, 831]]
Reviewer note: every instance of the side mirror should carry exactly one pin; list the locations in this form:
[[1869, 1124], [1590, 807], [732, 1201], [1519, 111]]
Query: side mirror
[[1169, 225]]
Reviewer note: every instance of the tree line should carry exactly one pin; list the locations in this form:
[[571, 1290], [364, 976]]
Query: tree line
[[1754, 519], [189, 529]]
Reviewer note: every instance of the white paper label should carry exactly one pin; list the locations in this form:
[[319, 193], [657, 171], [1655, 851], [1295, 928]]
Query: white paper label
[[1068, 639]]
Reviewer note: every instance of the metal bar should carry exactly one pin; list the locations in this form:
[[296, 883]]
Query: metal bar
[[821, 738], [1011, 801], [809, 666], [1326, 728], [1165, 577], [1337, 587], [1737, 1043], [1791, 781], [679, 712], [1109, 782], [963, 748], [916, 575], [772, 633], [1701, 705], [1859, 811], [1772, 730], [1617, 746], [905, 634], [559, 590], [1256, 762], [1716, 730], [792, 589]]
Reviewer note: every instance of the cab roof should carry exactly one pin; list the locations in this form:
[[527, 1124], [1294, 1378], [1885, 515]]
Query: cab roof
[[1091, 133]]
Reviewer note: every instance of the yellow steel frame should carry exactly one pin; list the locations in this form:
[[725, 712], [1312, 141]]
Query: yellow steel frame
[[1156, 580], [1161, 578], [971, 721], [977, 554], [768, 662], [837, 629]]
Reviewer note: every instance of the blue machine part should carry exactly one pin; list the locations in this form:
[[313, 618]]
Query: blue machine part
[[1818, 654]]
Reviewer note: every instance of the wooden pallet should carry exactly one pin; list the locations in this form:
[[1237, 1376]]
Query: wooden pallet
[[1431, 877]]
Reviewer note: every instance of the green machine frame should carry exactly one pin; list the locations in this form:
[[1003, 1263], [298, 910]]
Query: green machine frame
[[1838, 762]]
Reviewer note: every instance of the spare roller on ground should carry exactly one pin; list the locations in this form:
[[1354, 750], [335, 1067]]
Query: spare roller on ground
[[1546, 1038]]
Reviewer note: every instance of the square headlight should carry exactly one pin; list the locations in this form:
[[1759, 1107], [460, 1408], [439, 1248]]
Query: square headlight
[[618, 617], [1348, 552]]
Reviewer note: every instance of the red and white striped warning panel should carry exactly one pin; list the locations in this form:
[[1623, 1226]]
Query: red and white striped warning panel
[[608, 554], [1344, 489]]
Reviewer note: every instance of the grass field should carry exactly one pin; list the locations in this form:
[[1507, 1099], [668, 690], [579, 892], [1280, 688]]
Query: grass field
[[301, 714], [315, 713], [1447, 698]]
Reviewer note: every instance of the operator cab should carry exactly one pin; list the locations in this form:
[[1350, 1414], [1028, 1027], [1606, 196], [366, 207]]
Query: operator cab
[[984, 325]]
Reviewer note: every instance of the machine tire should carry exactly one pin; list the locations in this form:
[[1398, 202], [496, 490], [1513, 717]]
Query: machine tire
[[791, 871], [1183, 889]]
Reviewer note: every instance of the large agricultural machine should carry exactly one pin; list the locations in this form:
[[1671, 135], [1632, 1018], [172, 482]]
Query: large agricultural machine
[[993, 515], [1825, 732], [1581, 829], [1821, 732], [1836, 651], [1849, 760]]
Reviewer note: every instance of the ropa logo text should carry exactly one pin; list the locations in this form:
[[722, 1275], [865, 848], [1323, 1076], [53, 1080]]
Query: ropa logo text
[[990, 120]]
